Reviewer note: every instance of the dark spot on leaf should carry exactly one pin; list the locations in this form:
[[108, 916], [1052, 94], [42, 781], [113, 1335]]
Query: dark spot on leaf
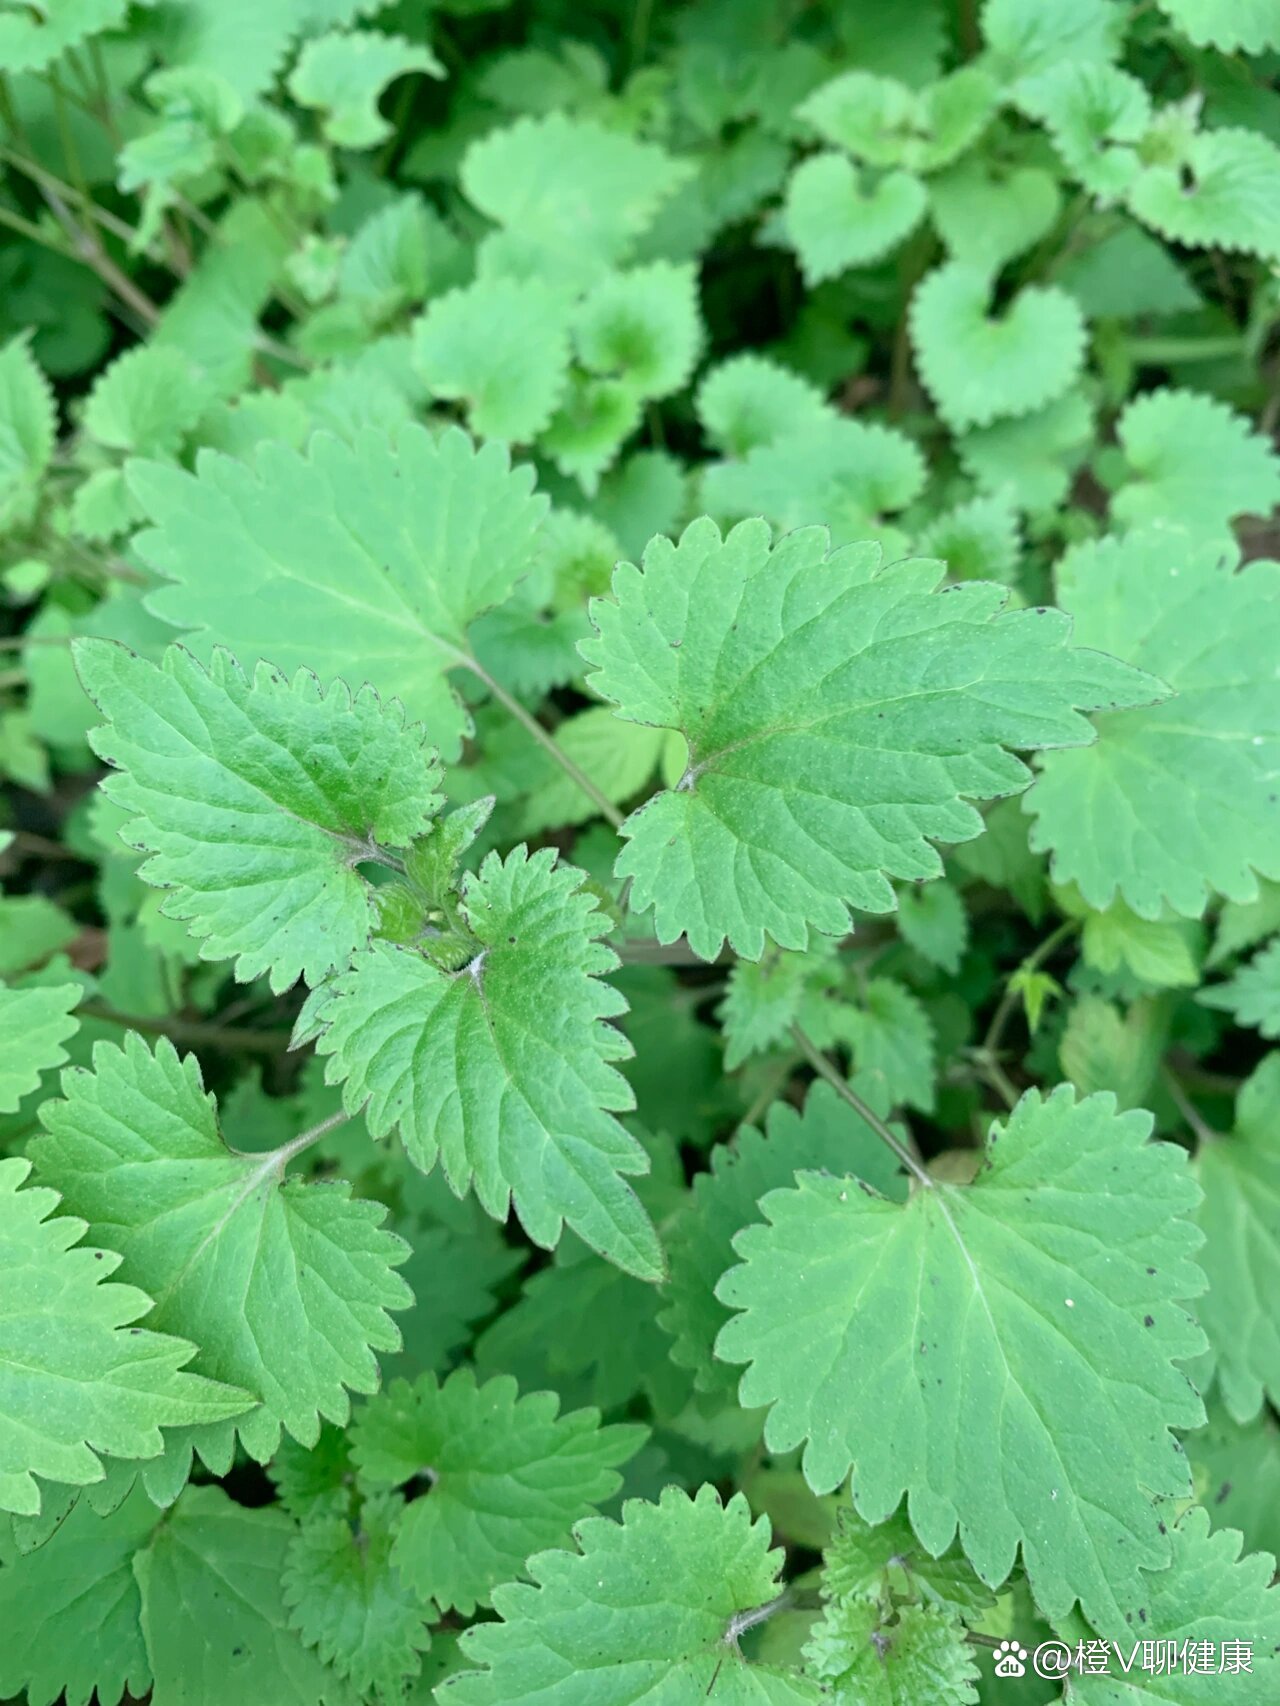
[[1223, 1493], [1148, 1320]]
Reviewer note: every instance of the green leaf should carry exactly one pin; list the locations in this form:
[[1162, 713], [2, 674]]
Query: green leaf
[[774, 828], [945, 1348], [508, 1477], [1128, 273], [344, 73], [1252, 995], [346, 1598], [70, 1608], [502, 347], [213, 1611], [1026, 36], [885, 123], [35, 1022], [1209, 1593], [1247, 26], [28, 424], [764, 998], [892, 1041], [283, 1284], [643, 1611], [836, 216], [980, 367], [1237, 1474], [365, 559], [256, 799], [1223, 193], [1096, 115], [1240, 1216], [922, 1655], [1179, 798], [619, 758], [750, 400], [886, 1563], [32, 37], [933, 921], [1159, 952], [570, 184], [988, 211], [1032, 458], [841, 473], [146, 402], [76, 1378], [643, 327], [978, 540], [502, 1068], [1193, 462], [1102, 1049], [827, 1137]]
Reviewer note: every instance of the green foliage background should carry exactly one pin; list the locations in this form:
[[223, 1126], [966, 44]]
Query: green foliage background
[[640, 724]]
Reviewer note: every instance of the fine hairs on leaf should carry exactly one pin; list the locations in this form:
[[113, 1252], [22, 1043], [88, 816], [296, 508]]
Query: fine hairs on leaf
[[639, 853]]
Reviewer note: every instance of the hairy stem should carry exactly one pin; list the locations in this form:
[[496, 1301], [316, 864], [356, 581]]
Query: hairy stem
[[546, 741], [823, 1067], [197, 1033]]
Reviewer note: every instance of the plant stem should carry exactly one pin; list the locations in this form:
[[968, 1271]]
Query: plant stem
[[1009, 999], [304, 1140], [195, 1032], [823, 1067], [1199, 1127], [532, 726]]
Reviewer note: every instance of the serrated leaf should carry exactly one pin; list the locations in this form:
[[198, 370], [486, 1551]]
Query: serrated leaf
[[1223, 193], [347, 1600], [1240, 1216], [978, 540], [836, 216], [1026, 36], [213, 1613], [255, 799], [888, 124], [827, 1137], [1103, 1049], [28, 424], [1193, 462], [367, 559], [933, 920], [980, 367], [750, 400], [508, 1477], [1247, 26], [1236, 1467], [283, 1284], [887, 1563], [1176, 799], [76, 1378], [345, 72], [644, 1609], [31, 38], [502, 1069], [1209, 1593], [842, 474], [146, 402], [35, 1023], [1032, 458], [1031, 1294], [892, 1041], [502, 347], [1096, 115], [567, 183], [987, 210], [1159, 952], [777, 664], [70, 1609], [763, 998], [1252, 995], [922, 1655], [641, 326]]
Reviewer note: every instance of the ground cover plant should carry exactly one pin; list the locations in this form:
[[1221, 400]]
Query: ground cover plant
[[640, 933]]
